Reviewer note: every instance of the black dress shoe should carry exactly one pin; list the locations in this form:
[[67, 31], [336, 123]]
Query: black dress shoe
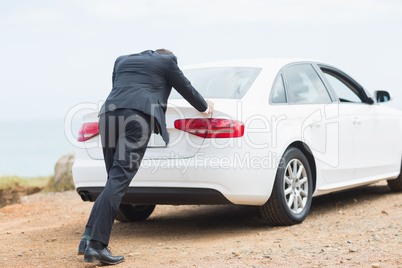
[[101, 255], [83, 245]]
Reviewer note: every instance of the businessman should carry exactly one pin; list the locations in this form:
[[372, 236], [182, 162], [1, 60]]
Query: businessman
[[134, 109]]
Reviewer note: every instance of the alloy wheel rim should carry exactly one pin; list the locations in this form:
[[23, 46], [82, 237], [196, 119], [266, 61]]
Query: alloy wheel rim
[[295, 185]]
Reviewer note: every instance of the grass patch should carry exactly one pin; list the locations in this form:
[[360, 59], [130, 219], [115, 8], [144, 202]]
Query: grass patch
[[8, 182], [12, 188]]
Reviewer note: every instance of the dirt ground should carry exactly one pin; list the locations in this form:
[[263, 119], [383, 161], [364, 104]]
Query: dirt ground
[[357, 228]]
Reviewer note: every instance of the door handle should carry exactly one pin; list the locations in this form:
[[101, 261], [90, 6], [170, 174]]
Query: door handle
[[356, 122], [315, 124]]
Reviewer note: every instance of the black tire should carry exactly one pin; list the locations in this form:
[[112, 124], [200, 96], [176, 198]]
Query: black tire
[[131, 213], [276, 210], [396, 184]]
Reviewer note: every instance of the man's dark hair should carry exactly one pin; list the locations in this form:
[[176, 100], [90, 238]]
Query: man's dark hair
[[164, 51]]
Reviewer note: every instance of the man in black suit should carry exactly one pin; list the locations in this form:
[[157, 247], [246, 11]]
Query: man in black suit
[[134, 109]]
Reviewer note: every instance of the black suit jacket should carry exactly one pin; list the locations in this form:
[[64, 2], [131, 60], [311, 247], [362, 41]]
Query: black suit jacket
[[143, 82]]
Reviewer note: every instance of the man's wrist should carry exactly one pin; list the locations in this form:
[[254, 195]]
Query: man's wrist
[[206, 111]]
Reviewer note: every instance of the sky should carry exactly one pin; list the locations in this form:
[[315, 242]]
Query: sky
[[57, 54]]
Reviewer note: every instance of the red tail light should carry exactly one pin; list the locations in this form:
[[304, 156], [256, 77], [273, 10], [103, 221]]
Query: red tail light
[[87, 131], [211, 127]]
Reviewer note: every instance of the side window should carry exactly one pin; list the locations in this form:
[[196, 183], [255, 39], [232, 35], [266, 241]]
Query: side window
[[304, 86], [278, 94], [344, 91]]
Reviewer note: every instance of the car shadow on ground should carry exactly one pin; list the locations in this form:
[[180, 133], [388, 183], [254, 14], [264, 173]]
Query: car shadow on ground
[[176, 220], [179, 220], [332, 203]]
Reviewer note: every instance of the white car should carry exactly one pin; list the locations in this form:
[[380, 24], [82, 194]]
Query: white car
[[283, 131]]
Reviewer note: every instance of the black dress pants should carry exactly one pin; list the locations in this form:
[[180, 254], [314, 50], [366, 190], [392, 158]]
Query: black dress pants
[[125, 134]]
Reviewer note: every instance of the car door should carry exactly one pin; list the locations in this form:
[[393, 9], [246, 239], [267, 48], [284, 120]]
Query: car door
[[374, 130], [327, 132]]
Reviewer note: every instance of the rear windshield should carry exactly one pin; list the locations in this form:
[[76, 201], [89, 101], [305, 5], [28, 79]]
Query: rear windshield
[[220, 82]]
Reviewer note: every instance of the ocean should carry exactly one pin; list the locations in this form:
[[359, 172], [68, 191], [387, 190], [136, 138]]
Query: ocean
[[32, 148]]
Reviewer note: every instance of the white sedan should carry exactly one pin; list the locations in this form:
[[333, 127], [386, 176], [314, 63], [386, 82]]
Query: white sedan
[[283, 131]]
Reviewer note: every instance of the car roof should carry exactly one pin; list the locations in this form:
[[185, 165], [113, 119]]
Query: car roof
[[271, 63]]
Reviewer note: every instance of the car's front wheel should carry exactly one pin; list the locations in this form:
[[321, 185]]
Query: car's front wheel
[[396, 184], [291, 196], [131, 213]]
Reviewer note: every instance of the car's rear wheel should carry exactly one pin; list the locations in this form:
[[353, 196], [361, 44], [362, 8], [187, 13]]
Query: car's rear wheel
[[291, 196], [131, 213]]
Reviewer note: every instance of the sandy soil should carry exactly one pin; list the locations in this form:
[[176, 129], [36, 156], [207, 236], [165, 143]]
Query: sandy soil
[[358, 228]]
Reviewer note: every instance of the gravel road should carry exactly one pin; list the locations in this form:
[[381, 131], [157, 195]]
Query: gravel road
[[357, 228]]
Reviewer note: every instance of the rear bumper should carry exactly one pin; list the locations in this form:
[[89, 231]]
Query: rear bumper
[[161, 195], [182, 181]]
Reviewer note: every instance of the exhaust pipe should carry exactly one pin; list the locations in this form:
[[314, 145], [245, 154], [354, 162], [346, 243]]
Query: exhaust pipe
[[90, 198], [86, 196]]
